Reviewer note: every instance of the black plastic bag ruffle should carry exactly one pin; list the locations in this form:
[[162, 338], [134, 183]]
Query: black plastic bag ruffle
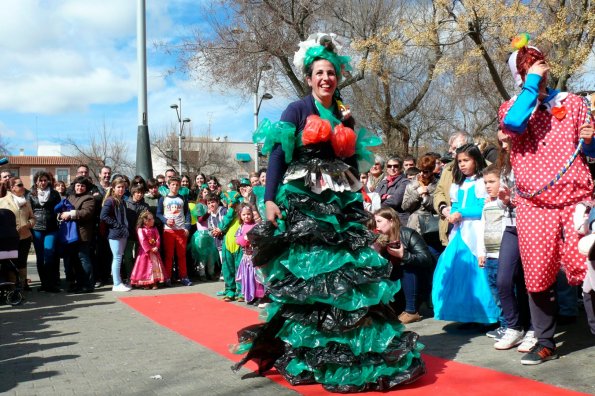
[[334, 320], [328, 285]]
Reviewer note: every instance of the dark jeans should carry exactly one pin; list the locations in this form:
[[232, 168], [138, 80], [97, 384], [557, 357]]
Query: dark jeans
[[544, 306], [103, 260], [491, 268], [589, 302], [45, 252], [78, 265], [511, 282], [21, 262]]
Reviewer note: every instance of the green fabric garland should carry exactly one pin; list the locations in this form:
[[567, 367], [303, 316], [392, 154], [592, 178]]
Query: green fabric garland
[[320, 51], [270, 134]]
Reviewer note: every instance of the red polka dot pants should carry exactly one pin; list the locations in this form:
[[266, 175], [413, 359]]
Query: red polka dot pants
[[547, 240]]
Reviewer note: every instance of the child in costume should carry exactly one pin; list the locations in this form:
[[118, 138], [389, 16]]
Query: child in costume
[[202, 245], [461, 290], [148, 269], [246, 275], [230, 250]]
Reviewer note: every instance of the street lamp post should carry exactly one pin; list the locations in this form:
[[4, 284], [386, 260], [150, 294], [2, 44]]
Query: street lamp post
[[181, 122], [257, 103]]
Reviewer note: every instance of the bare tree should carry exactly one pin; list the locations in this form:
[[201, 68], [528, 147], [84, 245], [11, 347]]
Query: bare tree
[[103, 148], [4, 147], [199, 154]]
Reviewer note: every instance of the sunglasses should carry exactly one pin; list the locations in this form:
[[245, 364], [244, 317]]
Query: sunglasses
[[19, 185], [392, 166]]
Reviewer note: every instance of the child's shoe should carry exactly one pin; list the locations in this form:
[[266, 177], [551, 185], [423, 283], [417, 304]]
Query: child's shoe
[[167, 283], [510, 339], [539, 354], [229, 297], [186, 282], [528, 342], [240, 298], [497, 333]]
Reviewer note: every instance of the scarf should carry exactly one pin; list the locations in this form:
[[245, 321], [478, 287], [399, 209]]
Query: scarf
[[43, 196], [391, 179], [20, 201]]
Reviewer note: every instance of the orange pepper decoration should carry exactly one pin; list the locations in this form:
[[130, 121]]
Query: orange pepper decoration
[[316, 130], [343, 141]]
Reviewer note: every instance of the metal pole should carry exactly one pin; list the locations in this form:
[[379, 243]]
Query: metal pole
[[144, 165], [256, 126], [180, 138]]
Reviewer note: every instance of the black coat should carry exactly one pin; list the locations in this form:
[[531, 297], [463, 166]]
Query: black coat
[[45, 217], [396, 190], [416, 253]]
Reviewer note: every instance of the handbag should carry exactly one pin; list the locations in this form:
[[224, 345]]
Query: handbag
[[428, 223], [68, 232]]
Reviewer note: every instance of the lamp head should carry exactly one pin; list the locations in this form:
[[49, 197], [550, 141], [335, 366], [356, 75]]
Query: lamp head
[[174, 106], [186, 120], [267, 96]]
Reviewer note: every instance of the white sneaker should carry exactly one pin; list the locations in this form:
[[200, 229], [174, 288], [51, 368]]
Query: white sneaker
[[510, 339], [528, 342], [121, 288]]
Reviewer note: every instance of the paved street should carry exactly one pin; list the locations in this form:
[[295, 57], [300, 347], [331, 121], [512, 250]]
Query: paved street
[[93, 344]]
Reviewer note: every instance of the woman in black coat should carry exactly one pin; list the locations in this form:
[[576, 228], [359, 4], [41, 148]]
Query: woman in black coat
[[408, 253], [43, 198]]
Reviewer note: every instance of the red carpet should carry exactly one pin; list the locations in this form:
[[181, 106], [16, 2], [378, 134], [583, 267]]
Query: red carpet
[[214, 323]]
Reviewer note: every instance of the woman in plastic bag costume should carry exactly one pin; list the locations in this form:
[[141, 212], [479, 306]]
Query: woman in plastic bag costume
[[330, 321]]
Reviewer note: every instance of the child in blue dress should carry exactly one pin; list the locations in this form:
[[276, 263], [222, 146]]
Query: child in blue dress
[[461, 292]]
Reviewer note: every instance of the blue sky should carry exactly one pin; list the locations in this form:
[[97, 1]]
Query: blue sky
[[69, 66]]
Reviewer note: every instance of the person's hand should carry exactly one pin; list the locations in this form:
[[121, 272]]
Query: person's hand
[[170, 222], [65, 216], [421, 190], [455, 218], [540, 68], [398, 253], [186, 232], [586, 133], [445, 212], [504, 195], [482, 261], [155, 249], [273, 212]]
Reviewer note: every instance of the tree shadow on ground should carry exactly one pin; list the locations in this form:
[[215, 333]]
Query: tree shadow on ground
[[27, 343]]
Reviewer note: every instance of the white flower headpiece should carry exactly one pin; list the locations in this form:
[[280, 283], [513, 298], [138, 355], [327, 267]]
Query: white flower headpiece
[[312, 41]]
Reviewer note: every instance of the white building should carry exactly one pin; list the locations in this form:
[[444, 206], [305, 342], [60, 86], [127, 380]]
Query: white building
[[220, 157]]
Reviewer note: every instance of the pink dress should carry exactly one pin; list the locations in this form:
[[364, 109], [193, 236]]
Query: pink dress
[[246, 275], [148, 269]]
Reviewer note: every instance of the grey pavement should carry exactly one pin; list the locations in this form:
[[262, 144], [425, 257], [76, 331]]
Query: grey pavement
[[93, 344]]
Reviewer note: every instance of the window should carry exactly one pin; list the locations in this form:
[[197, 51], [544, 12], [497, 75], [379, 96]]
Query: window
[[62, 175], [34, 171]]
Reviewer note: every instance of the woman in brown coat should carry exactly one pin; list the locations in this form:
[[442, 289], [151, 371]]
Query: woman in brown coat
[[13, 198]]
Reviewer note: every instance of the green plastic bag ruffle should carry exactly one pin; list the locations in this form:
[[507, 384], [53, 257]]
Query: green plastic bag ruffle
[[365, 139], [375, 337], [270, 133], [342, 199], [306, 262]]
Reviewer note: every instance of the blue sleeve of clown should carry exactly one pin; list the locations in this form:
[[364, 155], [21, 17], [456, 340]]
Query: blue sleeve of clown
[[517, 118]]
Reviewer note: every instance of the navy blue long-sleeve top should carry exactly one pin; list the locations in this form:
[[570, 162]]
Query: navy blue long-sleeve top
[[296, 113]]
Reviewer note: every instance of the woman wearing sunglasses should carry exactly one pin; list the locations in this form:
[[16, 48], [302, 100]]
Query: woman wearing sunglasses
[[13, 193]]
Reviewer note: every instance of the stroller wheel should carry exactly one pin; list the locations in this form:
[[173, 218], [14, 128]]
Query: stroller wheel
[[14, 297]]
